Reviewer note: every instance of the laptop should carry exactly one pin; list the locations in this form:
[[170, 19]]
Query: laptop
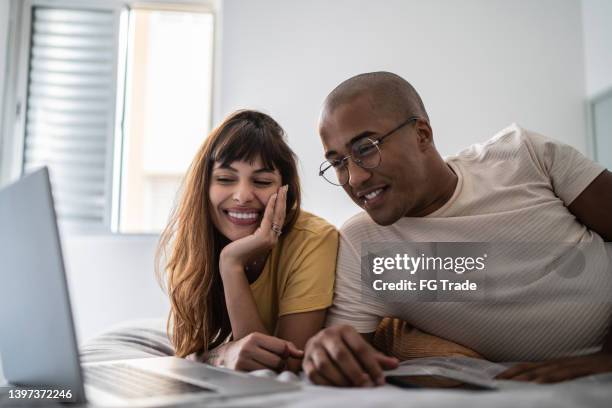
[[38, 346]]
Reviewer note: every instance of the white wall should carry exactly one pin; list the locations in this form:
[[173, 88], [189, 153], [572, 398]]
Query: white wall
[[111, 279], [478, 64], [597, 23]]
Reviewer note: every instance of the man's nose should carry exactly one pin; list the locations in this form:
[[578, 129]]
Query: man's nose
[[243, 193], [357, 175]]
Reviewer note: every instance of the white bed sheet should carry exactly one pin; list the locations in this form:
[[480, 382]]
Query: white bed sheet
[[147, 338]]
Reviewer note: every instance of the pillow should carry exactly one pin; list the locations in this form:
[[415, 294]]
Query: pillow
[[133, 339]]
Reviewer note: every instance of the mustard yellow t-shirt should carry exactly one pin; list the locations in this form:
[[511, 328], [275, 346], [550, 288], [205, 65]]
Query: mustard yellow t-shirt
[[299, 273]]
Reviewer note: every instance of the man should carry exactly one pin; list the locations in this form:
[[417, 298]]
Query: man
[[519, 186]]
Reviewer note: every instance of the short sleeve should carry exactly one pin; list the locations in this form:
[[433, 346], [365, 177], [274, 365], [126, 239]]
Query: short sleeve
[[352, 306], [569, 171], [311, 271]]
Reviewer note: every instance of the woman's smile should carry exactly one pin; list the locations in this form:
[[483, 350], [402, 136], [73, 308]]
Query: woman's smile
[[243, 216]]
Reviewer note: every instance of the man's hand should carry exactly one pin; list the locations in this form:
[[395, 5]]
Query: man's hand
[[340, 356], [254, 352], [560, 369]]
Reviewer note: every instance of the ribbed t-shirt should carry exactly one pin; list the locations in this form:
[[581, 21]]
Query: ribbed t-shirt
[[516, 187]]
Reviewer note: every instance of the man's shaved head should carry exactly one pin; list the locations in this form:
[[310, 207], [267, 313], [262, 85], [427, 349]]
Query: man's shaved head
[[410, 176], [386, 91]]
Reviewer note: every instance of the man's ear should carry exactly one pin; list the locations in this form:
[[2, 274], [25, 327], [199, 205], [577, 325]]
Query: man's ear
[[424, 135]]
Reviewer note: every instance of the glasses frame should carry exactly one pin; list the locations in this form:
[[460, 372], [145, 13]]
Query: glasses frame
[[377, 142]]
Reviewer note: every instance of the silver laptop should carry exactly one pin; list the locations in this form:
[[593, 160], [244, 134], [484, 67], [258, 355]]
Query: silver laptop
[[38, 344]]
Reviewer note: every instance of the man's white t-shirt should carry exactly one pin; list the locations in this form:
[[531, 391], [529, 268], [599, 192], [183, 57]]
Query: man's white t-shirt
[[514, 188]]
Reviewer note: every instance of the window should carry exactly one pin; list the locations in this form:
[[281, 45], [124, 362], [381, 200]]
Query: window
[[168, 111], [117, 100], [601, 125]]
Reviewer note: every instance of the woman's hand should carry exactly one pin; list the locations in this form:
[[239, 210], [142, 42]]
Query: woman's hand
[[254, 352], [239, 252]]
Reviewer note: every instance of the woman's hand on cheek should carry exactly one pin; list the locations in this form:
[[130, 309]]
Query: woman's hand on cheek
[[239, 252]]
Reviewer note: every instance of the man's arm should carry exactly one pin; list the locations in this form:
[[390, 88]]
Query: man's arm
[[592, 206], [399, 339]]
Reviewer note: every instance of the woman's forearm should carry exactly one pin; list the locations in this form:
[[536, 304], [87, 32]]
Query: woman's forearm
[[241, 307]]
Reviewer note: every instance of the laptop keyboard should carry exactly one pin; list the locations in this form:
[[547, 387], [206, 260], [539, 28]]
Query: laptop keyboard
[[130, 382]]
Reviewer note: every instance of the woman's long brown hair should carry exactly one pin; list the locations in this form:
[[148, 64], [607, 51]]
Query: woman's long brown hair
[[189, 247]]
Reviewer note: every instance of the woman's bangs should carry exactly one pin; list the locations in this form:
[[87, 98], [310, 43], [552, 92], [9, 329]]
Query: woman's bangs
[[248, 145]]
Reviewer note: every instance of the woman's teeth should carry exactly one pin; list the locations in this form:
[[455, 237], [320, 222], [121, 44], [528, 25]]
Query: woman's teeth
[[243, 216], [373, 194]]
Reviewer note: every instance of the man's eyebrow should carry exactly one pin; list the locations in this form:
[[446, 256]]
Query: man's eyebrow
[[360, 136]]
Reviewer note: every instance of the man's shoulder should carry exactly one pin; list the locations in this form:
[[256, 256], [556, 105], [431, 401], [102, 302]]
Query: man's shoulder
[[511, 137], [513, 142]]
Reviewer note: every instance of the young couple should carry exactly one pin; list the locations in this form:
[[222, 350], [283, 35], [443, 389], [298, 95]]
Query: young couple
[[250, 276]]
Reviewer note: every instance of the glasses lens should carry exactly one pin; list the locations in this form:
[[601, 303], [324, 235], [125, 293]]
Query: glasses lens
[[366, 153], [334, 173]]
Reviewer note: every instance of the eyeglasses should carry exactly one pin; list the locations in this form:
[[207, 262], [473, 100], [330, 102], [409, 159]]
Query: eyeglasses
[[364, 152]]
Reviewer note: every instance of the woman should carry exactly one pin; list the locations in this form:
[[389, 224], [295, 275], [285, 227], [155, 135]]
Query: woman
[[249, 274]]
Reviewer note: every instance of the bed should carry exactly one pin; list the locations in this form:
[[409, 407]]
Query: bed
[[147, 338]]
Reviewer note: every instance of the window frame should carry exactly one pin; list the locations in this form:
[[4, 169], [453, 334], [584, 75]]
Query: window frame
[[594, 150], [14, 113]]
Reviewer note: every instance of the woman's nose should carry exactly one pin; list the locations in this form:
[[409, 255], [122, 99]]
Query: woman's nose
[[243, 194]]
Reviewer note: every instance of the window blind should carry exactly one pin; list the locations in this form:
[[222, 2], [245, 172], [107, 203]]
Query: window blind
[[70, 111]]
